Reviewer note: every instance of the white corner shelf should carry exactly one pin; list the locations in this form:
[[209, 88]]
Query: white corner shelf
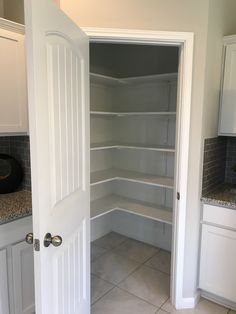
[[103, 176], [110, 203], [134, 113], [139, 146]]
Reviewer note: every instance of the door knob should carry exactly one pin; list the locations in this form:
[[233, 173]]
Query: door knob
[[29, 238], [55, 241]]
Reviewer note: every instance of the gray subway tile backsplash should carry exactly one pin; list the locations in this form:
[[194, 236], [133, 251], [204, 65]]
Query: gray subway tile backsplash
[[219, 159], [230, 173], [19, 148], [214, 164]]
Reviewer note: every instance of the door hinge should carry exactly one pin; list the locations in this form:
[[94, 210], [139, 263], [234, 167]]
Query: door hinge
[[37, 245], [178, 196]]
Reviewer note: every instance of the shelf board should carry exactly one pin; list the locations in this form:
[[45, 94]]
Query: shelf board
[[105, 79], [103, 176], [154, 78], [110, 203], [140, 146], [134, 113], [111, 80]]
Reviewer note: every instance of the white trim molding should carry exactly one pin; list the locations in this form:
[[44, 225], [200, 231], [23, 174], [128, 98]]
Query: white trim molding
[[12, 26], [185, 41], [227, 40], [188, 303]]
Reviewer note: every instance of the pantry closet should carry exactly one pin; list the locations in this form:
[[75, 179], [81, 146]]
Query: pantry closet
[[133, 98]]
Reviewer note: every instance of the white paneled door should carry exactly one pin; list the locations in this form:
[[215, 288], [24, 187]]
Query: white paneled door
[[58, 82]]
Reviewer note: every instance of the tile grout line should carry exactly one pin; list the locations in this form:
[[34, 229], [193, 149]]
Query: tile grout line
[[130, 274], [161, 271], [158, 307], [101, 297], [163, 305], [107, 250], [126, 239]]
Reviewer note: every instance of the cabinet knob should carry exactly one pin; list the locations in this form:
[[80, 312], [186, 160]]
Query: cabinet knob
[[29, 238], [55, 241]]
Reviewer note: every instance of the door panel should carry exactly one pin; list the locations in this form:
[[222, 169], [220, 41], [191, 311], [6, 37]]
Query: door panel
[[57, 65], [65, 111]]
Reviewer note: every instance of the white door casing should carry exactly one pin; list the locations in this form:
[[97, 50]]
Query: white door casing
[[58, 91], [185, 40]]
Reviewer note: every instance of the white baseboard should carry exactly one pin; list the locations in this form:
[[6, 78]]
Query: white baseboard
[[218, 300], [188, 303]]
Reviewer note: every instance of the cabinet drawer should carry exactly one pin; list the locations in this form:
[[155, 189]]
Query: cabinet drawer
[[217, 262], [221, 216]]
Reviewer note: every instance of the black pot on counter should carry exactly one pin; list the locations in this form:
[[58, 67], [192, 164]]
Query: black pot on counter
[[11, 174]]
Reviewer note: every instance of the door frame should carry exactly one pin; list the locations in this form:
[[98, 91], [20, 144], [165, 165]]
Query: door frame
[[185, 41]]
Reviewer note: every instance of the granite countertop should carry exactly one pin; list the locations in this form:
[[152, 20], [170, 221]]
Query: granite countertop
[[14, 206], [224, 196]]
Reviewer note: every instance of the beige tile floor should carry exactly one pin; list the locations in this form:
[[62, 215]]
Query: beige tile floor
[[131, 277]]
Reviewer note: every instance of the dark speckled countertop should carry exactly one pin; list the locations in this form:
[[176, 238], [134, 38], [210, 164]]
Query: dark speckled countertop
[[224, 196], [14, 206]]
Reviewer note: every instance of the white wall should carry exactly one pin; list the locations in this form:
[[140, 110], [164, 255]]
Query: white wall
[[181, 15]]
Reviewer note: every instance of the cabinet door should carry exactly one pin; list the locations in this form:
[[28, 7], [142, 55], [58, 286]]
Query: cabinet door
[[4, 297], [23, 278], [227, 120], [218, 262], [13, 103]]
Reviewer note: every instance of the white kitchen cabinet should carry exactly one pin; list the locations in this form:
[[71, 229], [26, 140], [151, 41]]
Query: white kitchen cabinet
[[13, 87], [218, 260], [16, 268], [227, 117], [4, 297], [218, 252], [23, 277]]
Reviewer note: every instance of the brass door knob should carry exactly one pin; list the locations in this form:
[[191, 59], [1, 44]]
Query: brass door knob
[[55, 241], [29, 238]]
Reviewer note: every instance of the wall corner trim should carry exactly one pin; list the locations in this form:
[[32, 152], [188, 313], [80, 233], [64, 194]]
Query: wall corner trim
[[188, 303]]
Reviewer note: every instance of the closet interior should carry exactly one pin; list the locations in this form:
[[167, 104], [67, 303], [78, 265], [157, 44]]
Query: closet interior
[[133, 96]]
